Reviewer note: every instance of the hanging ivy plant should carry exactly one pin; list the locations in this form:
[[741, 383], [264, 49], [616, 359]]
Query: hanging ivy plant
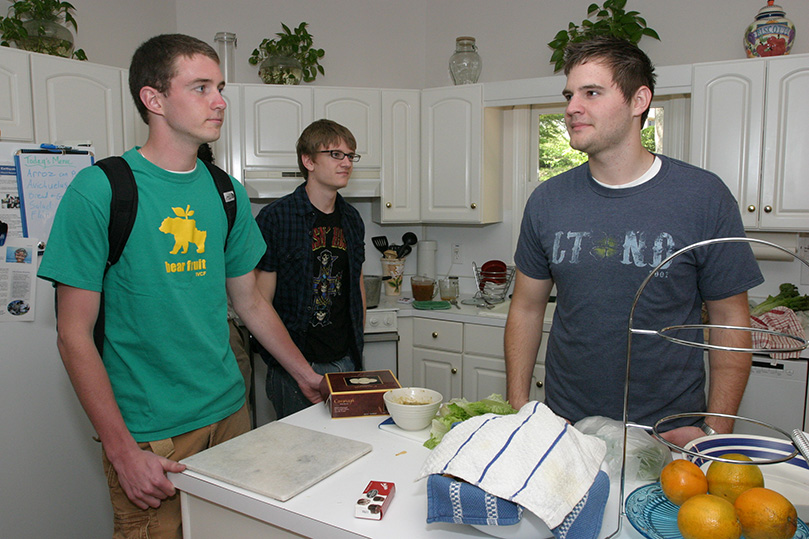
[[610, 20]]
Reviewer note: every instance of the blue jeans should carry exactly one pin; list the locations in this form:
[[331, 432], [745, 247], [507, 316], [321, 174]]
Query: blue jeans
[[283, 391]]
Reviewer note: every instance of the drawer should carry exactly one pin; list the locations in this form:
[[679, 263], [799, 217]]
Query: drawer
[[484, 340], [438, 334]]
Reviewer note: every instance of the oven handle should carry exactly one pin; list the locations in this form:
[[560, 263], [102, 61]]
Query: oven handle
[[385, 336]]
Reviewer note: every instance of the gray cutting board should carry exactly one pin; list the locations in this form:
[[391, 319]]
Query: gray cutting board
[[277, 460]]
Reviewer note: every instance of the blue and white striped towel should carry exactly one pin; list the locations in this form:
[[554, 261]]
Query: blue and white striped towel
[[533, 458]]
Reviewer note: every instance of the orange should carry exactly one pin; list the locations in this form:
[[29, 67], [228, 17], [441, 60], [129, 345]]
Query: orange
[[765, 514], [682, 479], [729, 480], [706, 516]]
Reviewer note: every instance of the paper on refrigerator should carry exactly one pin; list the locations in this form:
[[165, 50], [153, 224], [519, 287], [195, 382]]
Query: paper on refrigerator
[[18, 273]]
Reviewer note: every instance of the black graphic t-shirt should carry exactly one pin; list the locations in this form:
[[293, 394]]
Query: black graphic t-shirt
[[329, 326]]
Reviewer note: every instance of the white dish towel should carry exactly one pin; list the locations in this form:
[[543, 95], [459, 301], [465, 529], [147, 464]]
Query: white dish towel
[[533, 458]]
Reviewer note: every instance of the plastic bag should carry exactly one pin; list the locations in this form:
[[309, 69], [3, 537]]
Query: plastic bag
[[645, 456]]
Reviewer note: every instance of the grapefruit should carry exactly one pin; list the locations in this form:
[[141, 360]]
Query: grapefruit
[[681, 479], [766, 514], [706, 516], [729, 480]]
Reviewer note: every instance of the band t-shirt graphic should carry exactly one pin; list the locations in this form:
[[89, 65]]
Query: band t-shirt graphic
[[329, 325]]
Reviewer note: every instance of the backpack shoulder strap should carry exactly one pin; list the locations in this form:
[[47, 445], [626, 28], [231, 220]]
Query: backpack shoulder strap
[[123, 205], [225, 187]]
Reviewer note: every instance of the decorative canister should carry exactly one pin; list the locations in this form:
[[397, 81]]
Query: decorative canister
[[393, 268], [770, 34], [465, 64]]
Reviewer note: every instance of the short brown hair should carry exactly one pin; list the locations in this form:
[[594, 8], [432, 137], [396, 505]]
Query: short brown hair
[[319, 134], [154, 64], [630, 66]]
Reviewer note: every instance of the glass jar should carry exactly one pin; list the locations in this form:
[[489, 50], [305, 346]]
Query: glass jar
[[465, 64], [770, 34], [226, 43]]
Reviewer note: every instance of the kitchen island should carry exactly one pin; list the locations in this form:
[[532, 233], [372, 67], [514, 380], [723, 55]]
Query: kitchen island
[[216, 509]]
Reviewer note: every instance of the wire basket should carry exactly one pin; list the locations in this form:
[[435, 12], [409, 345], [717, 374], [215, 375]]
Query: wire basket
[[493, 285]]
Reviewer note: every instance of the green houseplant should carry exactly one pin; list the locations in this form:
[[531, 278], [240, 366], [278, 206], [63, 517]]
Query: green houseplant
[[610, 20], [289, 58], [41, 26]]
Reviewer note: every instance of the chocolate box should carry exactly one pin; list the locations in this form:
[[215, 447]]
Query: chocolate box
[[359, 393], [375, 500]]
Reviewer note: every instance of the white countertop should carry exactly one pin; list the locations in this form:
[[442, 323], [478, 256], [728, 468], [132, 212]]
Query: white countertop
[[469, 314], [327, 508]]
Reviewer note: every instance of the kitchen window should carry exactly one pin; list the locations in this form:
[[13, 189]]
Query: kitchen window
[[665, 132]]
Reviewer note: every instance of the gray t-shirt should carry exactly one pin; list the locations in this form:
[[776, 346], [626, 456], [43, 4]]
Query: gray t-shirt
[[598, 245]]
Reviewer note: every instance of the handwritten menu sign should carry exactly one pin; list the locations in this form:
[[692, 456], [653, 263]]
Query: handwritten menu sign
[[42, 178]]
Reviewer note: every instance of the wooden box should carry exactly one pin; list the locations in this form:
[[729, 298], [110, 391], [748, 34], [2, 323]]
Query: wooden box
[[359, 393]]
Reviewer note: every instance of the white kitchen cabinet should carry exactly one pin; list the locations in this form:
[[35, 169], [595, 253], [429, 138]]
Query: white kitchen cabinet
[[484, 366], [462, 359], [360, 110], [274, 116], [461, 155], [437, 370], [401, 179], [437, 348], [78, 101], [483, 376], [749, 126], [16, 109]]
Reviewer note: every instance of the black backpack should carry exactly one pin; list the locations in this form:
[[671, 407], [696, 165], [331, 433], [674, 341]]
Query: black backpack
[[124, 208]]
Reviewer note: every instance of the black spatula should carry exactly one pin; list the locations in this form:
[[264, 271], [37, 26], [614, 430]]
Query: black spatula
[[381, 243]]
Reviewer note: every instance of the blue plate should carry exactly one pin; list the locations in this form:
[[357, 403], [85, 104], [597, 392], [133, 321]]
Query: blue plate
[[650, 512]]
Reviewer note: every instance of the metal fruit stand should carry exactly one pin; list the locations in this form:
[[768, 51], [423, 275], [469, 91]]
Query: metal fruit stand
[[795, 437]]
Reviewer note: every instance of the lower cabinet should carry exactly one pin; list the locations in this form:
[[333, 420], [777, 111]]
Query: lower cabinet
[[464, 360]]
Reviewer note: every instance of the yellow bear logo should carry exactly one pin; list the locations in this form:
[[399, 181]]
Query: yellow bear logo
[[184, 230]]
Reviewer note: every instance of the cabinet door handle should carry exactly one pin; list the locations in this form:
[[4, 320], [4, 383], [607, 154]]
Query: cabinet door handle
[[767, 209], [435, 334], [454, 370], [539, 383], [751, 208], [473, 206], [388, 204]]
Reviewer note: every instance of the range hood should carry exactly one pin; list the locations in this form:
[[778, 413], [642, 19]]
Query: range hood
[[268, 184]]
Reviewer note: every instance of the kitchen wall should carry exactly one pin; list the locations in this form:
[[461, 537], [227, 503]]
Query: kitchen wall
[[393, 44]]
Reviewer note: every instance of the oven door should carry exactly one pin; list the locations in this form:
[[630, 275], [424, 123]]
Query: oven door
[[380, 351]]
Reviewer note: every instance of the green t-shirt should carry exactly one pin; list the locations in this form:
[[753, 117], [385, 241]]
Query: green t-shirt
[[166, 348]]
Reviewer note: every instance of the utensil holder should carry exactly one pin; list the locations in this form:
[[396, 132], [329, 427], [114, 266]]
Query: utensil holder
[[393, 267]]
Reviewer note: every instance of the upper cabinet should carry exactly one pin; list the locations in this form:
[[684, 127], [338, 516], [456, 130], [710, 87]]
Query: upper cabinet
[[749, 126], [360, 110], [273, 118], [78, 101], [16, 111], [401, 180], [461, 157]]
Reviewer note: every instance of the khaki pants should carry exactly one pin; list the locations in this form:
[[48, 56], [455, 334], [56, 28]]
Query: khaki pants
[[166, 522]]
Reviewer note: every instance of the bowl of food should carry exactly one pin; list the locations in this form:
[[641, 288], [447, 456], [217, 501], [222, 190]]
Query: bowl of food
[[412, 408]]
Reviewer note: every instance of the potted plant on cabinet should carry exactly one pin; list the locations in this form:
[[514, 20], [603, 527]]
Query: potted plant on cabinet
[[289, 59], [611, 20], [41, 26]]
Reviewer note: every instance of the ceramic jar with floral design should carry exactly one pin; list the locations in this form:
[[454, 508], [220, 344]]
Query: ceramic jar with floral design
[[770, 34]]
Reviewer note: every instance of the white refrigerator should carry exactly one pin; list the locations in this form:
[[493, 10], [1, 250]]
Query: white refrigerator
[[51, 479]]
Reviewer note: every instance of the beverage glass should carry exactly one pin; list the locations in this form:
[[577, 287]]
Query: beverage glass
[[448, 288], [423, 288]]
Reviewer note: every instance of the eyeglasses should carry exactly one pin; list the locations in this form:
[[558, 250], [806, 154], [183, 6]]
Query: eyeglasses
[[337, 154]]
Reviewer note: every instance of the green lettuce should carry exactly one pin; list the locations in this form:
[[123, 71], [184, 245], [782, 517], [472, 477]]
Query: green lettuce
[[460, 409]]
